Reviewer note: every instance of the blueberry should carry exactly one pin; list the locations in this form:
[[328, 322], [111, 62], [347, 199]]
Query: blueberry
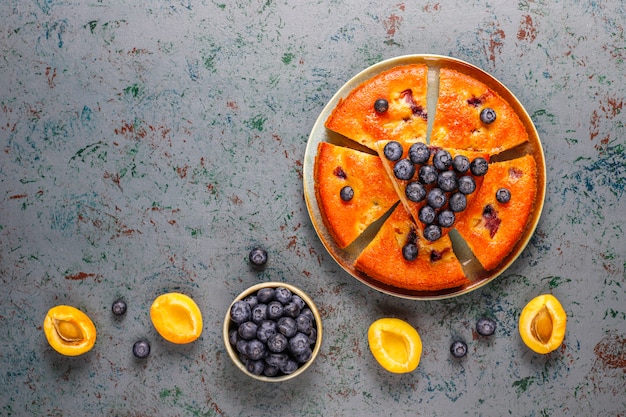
[[409, 251], [346, 193], [458, 349], [247, 330], [287, 326], [381, 105], [141, 349], [503, 195], [265, 295], [393, 150], [289, 367], [488, 115], [266, 329], [446, 218], [485, 326], [479, 166], [466, 184], [291, 309], [257, 257], [447, 181], [458, 202], [432, 232], [274, 310], [298, 300], [419, 153], [283, 295], [404, 169], [427, 174], [242, 346], [277, 343], [304, 324], [427, 215], [256, 349], [259, 313], [442, 160], [276, 359], [233, 337], [313, 336], [299, 343], [255, 367], [119, 307], [436, 198], [240, 312], [415, 191], [461, 164], [252, 300], [307, 311], [270, 370], [304, 356]]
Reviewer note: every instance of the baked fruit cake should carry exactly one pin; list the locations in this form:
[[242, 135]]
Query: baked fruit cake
[[453, 176]]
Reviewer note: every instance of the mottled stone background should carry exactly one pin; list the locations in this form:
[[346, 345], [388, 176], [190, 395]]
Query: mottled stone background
[[146, 146]]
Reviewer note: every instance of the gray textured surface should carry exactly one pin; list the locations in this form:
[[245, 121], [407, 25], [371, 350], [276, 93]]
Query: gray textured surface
[[147, 146]]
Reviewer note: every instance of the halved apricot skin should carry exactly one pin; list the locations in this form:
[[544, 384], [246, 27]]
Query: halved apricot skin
[[395, 344], [69, 331], [176, 317], [542, 324]]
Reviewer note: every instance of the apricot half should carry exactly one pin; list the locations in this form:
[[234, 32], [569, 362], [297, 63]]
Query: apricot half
[[176, 317], [395, 344], [542, 324], [69, 331]]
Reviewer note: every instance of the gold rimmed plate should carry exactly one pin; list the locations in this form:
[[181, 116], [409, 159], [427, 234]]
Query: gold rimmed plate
[[473, 270]]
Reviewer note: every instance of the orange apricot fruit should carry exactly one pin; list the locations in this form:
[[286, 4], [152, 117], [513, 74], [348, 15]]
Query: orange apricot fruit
[[69, 331], [176, 317], [395, 344], [542, 324]]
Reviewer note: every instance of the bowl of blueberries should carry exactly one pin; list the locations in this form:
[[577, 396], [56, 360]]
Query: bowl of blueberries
[[272, 331]]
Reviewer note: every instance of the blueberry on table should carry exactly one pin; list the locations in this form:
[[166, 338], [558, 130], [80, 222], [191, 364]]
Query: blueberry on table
[[119, 307], [404, 169], [458, 349], [247, 330], [479, 166], [488, 115], [141, 349], [409, 251], [277, 343], [446, 218], [485, 326], [257, 257], [419, 153], [283, 294], [265, 295], [503, 195], [466, 184], [442, 160], [457, 202], [346, 193], [240, 312], [427, 174], [415, 191], [461, 164], [432, 232], [427, 215], [381, 105], [436, 198], [393, 150]]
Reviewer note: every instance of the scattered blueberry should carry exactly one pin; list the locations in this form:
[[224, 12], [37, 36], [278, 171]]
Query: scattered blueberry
[[119, 307], [256, 349], [458, 349], [503, 195], [415, 191], [393, 150], [381, 105], [427, 174], [247, 330], [277, 343], [488, 115], [461, 164], [446, 218], [485, 326], [266, 329], [257, 257], [287, 326], [466, 184], [274, 310], [141, 349], [409, 251], [283, 295], [427, 215], [240, 312], [259, 313], [265, 295], [436, 198], [442, 160], [419, 153], [404, 169], [457, 202], [346, 193], [447, 181], [479, 166], [432, 232], [299, 343]]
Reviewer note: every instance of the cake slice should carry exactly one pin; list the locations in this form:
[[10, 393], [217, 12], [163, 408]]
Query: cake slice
[[469, 115], [434, 268], [491, 227], [352, 191], [391, 105]]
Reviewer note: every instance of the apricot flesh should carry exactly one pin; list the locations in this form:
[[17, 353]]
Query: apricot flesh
[[69, 331], [395, 344], [176, 317], [542, 324]]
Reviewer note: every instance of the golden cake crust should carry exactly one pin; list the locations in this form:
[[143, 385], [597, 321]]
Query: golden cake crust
[[405, 89], [337, 167]]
